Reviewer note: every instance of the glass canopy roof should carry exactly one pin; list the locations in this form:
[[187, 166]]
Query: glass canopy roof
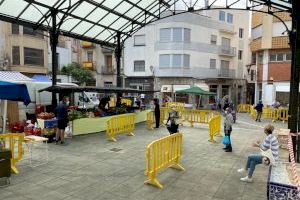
[[100, 21]]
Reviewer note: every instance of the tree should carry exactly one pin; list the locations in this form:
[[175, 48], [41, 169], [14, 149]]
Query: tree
[[77, 72]]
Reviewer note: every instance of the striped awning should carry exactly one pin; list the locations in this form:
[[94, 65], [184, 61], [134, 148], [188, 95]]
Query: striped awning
[[11, 76]]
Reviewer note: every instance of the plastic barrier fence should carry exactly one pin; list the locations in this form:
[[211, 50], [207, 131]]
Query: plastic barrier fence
[[128, 102], [214, 127], [120, 124], [150, 118], [252, 112], [178, 105], [197, 116], [13, 142], [243, 108], [283, 114], [113, 101], [161, 154], [266, 113]]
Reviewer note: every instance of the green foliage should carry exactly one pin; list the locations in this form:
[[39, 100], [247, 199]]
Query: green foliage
[[77, 115], [77, 72]]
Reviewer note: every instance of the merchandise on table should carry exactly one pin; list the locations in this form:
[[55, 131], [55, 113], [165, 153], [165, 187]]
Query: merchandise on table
[[45, 115]]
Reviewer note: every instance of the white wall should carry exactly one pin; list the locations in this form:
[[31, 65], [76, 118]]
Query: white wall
[[279, 28], [65, 55]]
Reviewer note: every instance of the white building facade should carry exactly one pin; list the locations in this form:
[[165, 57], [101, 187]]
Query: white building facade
[[178, 52]]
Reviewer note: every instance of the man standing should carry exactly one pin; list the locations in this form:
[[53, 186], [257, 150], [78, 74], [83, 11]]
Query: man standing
[[259, 109], [62, 117], [156, 113]]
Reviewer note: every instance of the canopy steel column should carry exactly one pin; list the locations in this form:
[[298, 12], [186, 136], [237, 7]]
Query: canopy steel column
[[118, 60], [295, 70], [53, 43]]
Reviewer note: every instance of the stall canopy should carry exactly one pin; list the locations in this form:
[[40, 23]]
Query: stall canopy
[[14, 92], [195, 90], [11, 76], [40, 78]]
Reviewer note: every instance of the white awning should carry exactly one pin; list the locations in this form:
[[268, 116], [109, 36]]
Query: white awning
[[10, 76], [180, 87], [166, 88], [203, 86]]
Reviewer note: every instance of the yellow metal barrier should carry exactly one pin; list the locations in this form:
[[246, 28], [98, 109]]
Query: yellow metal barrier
[[266, 113], [178, 105], [252, 112], [214, 127], [243, 108], [283, 114], [161, 154], [13, 142], [120, 124], [197, 116], [274, 113], [128, 102], [150, 118]]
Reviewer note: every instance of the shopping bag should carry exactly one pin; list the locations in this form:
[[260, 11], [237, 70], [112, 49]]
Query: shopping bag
[[226, 140], [68, 132]]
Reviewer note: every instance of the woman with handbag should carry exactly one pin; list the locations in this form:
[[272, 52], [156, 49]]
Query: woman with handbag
[[228, 129], [174, 120], [269, 154]]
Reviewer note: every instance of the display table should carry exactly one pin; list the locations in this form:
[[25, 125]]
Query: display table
[[36, 142], [98, 124], [281, 185]]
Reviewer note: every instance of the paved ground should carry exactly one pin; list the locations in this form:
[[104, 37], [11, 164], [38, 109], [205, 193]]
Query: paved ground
[[88, 169]]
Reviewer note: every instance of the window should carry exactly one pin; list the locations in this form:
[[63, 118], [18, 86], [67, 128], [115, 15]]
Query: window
[[139, 66], [225, 42], [272, 57], [187, 35], [256, 32], [252, 74], [16, 55], [177, 34], [260, 58], [240, 56], [213, 63], [33, 56], [222, 16], [224, 72], [164, 60], [14, 28], [30, 31], [213, 39], [89, 56], [288, 56], [139, 40], [229, 18], [280, 57], [241, 33], [108, 84], [176, 60], [253, 58], [186, 60], [165, 35]]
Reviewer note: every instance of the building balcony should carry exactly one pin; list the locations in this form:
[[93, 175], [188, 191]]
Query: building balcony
[[107, 50], [196, 72], [227, 51], [88, 65], [86, 44], [107, 70]]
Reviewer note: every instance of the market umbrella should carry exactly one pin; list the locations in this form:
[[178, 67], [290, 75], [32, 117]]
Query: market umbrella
[[196, 91], [14, 92]]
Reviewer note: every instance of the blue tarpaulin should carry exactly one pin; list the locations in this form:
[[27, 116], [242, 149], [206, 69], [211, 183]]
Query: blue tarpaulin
[[40, 78], [14, 92]]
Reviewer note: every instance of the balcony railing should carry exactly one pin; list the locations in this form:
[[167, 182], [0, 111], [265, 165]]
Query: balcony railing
[[107, 50], [86, 44], [107, 70], [227, 51], [88, 65]]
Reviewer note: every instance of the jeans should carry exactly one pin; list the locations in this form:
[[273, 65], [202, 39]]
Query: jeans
[[258, 116], [228, 133], [253, 160]]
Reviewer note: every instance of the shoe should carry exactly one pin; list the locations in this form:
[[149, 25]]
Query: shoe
[[225, 148], [56, 141], [62, 142], [228, 150], [246, 179], [242, 170]]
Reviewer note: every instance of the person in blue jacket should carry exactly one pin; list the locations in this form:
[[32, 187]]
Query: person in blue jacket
[[259, 109]]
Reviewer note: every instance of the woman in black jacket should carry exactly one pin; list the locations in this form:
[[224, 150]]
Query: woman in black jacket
[[156, 113]]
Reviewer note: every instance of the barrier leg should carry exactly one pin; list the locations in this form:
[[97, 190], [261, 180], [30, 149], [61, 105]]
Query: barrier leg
[[177, 166], [192, 124], [211, 139], [152, 180], [14, 168], [131, 133]]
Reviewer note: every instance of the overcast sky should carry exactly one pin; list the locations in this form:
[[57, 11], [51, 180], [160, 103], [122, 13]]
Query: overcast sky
[[200, 3]]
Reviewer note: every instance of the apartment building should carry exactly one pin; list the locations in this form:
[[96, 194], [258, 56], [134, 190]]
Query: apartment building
[[23, 49], [271, 57], [208, 49], [101, 61]]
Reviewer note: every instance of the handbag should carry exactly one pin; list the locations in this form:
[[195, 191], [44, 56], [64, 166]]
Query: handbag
[[226, 140]]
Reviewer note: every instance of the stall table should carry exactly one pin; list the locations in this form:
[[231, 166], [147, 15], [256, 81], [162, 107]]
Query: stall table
[[281, 185]]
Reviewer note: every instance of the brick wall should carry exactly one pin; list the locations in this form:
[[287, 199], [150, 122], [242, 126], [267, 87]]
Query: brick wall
[[282, 15], [257, 18], [255, 45], [259, 72], [280, 71], [280, 42]]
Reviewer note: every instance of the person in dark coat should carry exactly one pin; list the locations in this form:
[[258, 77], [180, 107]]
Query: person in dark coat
[[259, 109], [173, 117], [156, 113]]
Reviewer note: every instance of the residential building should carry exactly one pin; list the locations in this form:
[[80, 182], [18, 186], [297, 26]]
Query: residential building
[[207, 49], [271, 57], [23, 49], [101, 61]]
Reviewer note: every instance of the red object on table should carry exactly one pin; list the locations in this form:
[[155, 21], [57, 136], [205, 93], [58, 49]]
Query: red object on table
[[39, 108]]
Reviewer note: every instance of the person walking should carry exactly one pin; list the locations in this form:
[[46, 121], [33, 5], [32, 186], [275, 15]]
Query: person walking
[[156, 113], [259, 109], [173, 119], [62, 119], [228, 128], [269, 154]]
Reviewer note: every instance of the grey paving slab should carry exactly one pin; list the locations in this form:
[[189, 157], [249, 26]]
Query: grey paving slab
[[88, 169]]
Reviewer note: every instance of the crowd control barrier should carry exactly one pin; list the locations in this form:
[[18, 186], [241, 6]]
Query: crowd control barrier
[[283, 114], [161, 154], [214, 127], [178, 105], [243, 108], [13, 142], [197, 116], [113, 101], [252, 112], [128, 102], [150, 118], [120, 124]]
